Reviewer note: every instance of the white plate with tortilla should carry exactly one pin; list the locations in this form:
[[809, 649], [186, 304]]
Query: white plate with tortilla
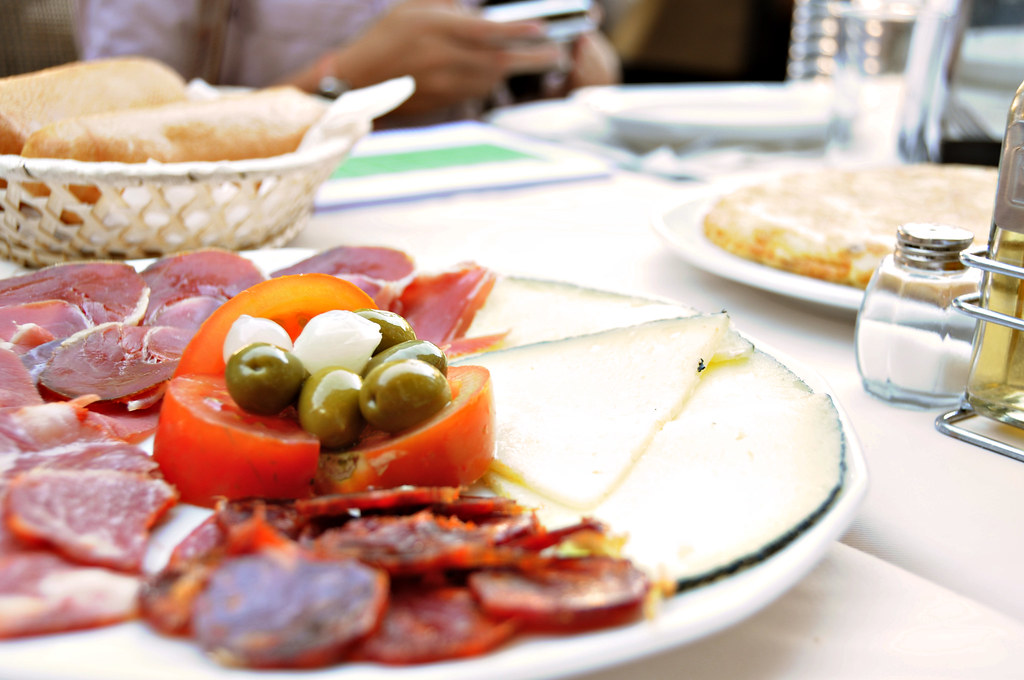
[[682, 230]]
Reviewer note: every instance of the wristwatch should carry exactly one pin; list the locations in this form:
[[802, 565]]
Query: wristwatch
[[332, 88]]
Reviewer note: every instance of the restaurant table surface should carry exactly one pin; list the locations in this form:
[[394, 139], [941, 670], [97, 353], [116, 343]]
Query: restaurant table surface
[[929, 579]]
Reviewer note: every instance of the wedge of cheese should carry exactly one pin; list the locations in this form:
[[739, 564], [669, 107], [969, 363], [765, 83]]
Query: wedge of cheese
[[574, 415], [749, 461], [535, 310]]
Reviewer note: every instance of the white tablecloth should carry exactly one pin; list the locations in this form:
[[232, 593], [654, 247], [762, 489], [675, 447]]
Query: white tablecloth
[[927, 582]]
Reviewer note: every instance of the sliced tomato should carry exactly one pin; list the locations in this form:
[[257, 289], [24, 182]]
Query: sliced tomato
[[289, 300], [208, 447], [454, 448]]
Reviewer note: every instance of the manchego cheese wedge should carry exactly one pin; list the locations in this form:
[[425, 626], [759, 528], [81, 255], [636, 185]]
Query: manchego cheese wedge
[[574, 415]]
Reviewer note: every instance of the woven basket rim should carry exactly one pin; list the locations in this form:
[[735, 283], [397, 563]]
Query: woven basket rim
[[64, 170]]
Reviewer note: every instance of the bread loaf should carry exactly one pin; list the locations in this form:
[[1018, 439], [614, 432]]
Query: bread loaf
[[31, 101], [255, 124]]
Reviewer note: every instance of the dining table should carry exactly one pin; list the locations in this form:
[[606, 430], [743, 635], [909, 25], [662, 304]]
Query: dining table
[[922, 574], [925, 581]]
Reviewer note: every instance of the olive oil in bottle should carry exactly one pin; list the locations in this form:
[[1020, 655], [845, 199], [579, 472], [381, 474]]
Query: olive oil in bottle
[[995, 385]]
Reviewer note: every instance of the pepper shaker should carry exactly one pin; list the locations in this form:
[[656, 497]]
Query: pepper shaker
[[913, 347]]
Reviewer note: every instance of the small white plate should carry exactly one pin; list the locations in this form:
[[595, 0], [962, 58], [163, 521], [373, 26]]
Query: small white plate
[[682, 229], [651, 115], [993, 56]]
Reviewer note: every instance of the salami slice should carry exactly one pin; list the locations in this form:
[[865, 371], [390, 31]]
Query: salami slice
[[97, 517], [114, 361], [104, 291], [566, 594], [422, 625], [277, 610], [41, 593]]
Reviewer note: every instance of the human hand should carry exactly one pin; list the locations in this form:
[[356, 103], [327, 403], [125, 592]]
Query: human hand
[[452, 54]]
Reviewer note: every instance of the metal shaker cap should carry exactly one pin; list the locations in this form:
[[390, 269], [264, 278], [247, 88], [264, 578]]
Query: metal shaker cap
[[931, 246]]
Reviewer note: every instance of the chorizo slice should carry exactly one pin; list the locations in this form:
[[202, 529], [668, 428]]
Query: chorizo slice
[[418, 544], [277, 609], [97, 517], [565, 594], [423, 624], [399, 498], [166, 599]]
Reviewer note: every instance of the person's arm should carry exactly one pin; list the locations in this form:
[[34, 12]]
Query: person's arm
[[453, 55]]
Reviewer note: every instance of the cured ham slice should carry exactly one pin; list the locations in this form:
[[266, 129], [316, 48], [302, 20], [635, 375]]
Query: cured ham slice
[[16, 385], [380, 272], [41, 593], [84, 456], [283, 610], [188, 313], [31, 324], [114, 361], [98, 517], [132, 426], [440, 307], [47, 426], [423, 625], [384, 264], [210, 276], [103, 291]]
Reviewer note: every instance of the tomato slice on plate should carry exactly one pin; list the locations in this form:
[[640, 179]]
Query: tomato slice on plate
[[453, 448], [208, 447], [289, 300]]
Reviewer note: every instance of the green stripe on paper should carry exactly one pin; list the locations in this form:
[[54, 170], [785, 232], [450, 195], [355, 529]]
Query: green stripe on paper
[[427, 159]]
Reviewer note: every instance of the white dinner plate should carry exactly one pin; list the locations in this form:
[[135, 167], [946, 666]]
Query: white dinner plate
[[653, 115], [992, 56], [132, 650], [682, 229]]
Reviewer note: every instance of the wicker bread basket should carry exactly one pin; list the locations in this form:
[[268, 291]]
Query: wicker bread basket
[[57, 210]]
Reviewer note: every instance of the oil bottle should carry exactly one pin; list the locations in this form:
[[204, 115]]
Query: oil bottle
[[995, 383]]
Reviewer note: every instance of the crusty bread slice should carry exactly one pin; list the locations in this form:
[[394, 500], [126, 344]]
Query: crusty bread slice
[[31, 101], [256, 124]]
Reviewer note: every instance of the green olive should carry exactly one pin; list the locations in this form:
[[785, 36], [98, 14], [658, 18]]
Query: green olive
[[264, 379], [410, 349], [329, 407], [393, 328], [399, 394]]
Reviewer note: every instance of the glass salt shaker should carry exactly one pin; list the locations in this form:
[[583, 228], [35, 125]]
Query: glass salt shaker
[[913, 347]]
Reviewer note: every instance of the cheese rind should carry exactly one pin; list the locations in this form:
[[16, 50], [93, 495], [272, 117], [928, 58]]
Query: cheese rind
[[752, 458]]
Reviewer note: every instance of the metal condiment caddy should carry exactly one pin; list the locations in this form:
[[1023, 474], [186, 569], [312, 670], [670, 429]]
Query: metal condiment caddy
[[949, 423], [995, 384]]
